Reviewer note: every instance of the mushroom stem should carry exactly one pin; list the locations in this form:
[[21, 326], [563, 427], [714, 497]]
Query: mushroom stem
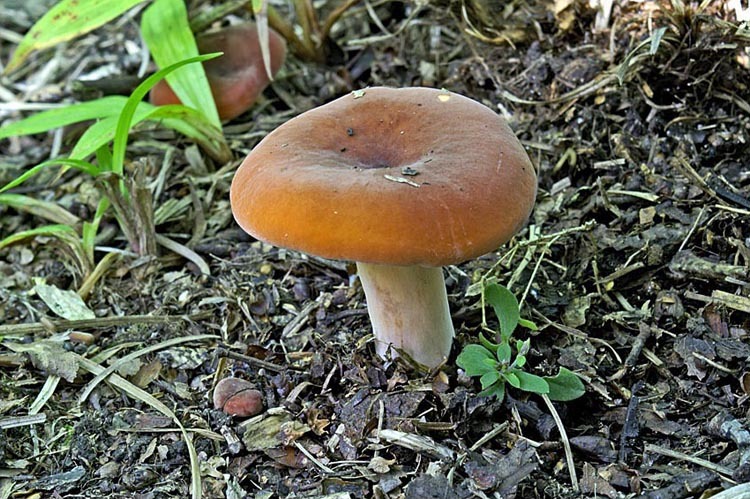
[[408, 308]]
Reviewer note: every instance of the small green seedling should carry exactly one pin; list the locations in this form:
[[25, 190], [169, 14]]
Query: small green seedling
[[499, 363]]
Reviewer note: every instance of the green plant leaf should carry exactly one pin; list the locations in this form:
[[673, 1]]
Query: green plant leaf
[[48, 230], [65, 21], [194, 125], [531, 382], [487, 343], [503, 353], [83, 166], [476, 360], [528, 324], [88, 233], [497, 390], [520, 361], [512, 378], [125, 120], [257, 5], [167, 33], [100, 134], [565, 386], [185, 120], [40, 208], [65, 115], [523, 347], [656, 40], [505, 306], [489, 378]]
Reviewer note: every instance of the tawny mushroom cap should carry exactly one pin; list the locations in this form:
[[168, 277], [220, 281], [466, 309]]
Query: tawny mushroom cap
[[402, 181], [236, 78]]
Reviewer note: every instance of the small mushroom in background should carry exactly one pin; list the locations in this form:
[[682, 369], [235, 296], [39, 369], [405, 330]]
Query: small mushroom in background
[[403, 181], [236, 78], [237, 397]]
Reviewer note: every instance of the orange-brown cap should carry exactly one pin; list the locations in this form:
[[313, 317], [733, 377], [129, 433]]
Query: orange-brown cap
[[412, 176], [236, 78]]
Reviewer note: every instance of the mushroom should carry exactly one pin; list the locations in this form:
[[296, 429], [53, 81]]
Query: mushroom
[[236, 78], [237, 397], [403, 181]]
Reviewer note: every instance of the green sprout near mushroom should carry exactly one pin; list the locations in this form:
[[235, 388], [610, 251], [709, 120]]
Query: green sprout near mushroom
[[500, 364]]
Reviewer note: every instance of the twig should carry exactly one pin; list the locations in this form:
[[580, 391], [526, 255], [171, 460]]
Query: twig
[[416, 443], [314, 460], [16, 421], [103, 322], [717, 468], [225, 352]]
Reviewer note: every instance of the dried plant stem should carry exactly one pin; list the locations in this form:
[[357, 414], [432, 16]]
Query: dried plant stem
[[565, 442]]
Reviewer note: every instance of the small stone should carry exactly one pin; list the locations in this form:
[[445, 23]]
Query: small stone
[[237, 397]]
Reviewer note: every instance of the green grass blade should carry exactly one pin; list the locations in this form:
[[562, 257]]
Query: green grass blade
[[64, 232], [193, 124], [65, 21], [73, 113], [40, 208], [103, 132], [125, 120], [167, 33], [83, 166], [90, 229]]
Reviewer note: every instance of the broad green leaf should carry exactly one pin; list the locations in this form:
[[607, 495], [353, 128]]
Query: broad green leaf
[[125, 121], [63, 116], [505, 306], [512, 378], [520, 361], [40, 208], [488, 379], [63, 302], [167, 33], [65, 21], [531, 382], [83, 166], [565, 386], [476, 360], [497, 390], [503, 353]]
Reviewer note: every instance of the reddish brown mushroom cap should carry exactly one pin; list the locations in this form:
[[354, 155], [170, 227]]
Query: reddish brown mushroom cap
[[236, 78], [412, 176]]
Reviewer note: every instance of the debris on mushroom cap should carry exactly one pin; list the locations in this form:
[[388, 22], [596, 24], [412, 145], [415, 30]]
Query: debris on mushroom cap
[[394, 176], [236, 78]]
